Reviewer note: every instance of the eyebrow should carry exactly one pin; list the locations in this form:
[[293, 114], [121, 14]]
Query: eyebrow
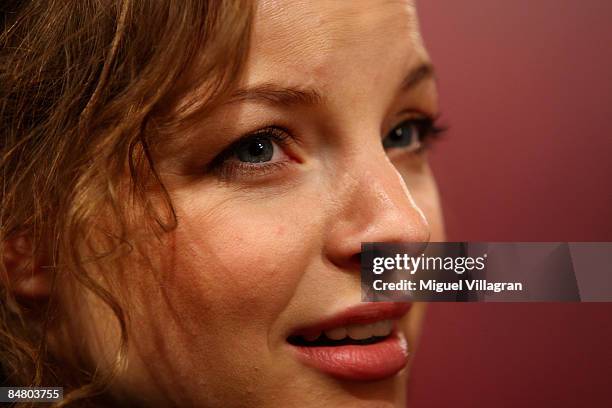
[[417, 75], [275, 94]]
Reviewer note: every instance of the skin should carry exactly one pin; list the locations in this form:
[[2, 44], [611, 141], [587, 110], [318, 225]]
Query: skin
[[263, 251]]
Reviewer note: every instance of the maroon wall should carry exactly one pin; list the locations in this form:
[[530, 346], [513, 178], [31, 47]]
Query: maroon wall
[[526, 86]]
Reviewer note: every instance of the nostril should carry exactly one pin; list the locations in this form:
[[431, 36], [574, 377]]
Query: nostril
[[355, 260]]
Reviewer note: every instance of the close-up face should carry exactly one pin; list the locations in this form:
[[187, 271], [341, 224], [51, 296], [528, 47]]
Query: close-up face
[[321, 147], [253, 298], [232, 203]]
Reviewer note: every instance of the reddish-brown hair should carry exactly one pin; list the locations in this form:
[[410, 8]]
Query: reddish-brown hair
[[84, 88]]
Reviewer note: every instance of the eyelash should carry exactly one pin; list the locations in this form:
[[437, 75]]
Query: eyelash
[[428, 129], [227, 169]]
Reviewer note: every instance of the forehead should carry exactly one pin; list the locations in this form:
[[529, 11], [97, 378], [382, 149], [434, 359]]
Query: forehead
[[323, 41]]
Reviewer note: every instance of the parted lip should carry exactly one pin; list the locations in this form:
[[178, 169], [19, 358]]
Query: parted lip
[[363, 313]]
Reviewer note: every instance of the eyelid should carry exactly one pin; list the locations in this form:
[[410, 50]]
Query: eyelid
[[235, 170], [406, 115], [426, 125], [227, 169], [418, 117]]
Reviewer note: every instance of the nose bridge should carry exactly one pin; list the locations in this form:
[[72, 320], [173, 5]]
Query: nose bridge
[[378, 203]]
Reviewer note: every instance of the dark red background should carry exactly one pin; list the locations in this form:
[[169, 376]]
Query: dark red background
[[526, 86]]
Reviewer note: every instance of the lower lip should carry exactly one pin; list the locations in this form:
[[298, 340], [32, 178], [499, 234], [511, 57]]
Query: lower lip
[[359, 363]]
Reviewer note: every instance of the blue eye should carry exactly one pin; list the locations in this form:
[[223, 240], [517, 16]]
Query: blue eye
[[404, 135], [255, 150], [411, 134], [252, 155]]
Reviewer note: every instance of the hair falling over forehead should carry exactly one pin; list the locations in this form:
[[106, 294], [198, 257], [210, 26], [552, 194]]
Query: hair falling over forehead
[[85, 88]]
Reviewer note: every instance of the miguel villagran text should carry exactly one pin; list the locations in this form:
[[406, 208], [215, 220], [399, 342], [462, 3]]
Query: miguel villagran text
[[480, 285]]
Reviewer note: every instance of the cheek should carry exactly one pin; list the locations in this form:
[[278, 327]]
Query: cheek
[[244, 259], [227, 273]]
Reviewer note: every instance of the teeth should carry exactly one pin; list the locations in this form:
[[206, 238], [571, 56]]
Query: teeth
[[336, 334], [360, 331], [382, 328]]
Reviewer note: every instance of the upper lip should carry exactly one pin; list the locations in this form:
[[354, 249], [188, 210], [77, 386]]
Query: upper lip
[[360, 314]]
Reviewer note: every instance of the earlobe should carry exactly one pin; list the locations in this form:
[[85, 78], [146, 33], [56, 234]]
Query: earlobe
[[28, 278]]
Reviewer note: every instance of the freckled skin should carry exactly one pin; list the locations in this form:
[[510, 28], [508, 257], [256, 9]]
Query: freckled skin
[[249, 261]]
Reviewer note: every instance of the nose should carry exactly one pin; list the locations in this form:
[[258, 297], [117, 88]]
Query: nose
[[372, 204]]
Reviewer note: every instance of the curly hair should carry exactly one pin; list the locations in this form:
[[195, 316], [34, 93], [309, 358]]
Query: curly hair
[[86, 87]]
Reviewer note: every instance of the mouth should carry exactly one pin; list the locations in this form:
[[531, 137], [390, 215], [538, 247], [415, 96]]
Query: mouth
[[362, 343]]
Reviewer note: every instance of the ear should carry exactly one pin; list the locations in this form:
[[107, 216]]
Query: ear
[[28, 278]]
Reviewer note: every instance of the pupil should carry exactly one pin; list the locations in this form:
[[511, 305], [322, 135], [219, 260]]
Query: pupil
[[256, 151], [256, 148], [399, 137], [398, 134]]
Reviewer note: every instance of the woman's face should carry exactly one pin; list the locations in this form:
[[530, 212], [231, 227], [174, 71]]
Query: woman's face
[[335, 100]]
